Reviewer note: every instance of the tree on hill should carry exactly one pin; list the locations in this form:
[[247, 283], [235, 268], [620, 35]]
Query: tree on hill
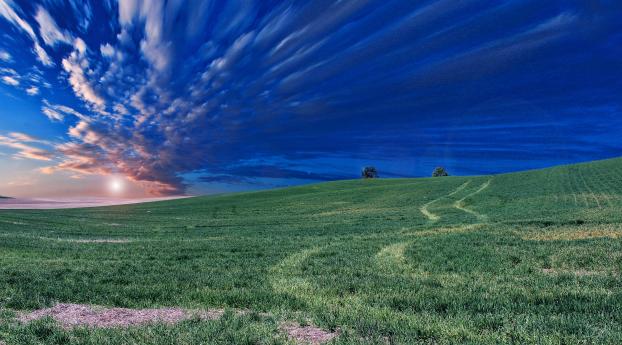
[[439, 172], [369, 172]]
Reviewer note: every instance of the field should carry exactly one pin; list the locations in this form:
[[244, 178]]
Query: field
[[530, 257]]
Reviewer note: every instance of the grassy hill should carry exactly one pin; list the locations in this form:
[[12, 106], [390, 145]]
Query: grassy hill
[[530, 257]]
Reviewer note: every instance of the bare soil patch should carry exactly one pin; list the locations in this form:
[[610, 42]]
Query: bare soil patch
[[307, 334], [70, 316], [77, 315]]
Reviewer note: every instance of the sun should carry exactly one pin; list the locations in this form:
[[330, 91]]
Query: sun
[[116, 185]]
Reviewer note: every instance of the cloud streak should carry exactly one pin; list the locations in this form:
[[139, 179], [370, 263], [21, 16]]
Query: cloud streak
[[8, 12], [24, 145]]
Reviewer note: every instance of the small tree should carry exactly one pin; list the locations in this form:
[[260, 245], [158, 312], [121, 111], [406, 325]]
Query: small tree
[[369, 172], [439, 172]]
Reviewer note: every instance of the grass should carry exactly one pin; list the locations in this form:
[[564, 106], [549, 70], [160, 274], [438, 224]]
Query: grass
[[530, 257]]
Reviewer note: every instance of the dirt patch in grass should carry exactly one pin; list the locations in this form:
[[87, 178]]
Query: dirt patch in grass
[[70, 316], [307, 334], [77, 315]]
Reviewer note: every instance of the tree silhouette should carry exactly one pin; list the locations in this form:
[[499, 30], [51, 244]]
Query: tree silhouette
[[369, 172], [439, 172]]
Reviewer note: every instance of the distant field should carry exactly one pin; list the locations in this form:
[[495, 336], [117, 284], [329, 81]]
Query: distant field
[[531, 257]]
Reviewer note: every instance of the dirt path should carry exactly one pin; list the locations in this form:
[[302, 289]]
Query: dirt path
[[432, 216]]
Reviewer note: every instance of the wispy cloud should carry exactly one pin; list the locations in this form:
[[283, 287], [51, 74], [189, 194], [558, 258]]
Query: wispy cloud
[[5, 56], [32, 91], [48, 29], [23, 144], [9, 80], [75, 65], [8, 12]]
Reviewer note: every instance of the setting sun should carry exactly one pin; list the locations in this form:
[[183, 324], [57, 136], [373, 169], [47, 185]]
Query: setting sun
[[116, 185]]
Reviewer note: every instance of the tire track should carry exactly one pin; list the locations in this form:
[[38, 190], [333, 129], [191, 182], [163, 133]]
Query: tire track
[[459, 204], [588, 188], [432, 216]]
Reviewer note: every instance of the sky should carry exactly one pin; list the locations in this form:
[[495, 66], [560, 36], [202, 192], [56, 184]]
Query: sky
[[155, 98]]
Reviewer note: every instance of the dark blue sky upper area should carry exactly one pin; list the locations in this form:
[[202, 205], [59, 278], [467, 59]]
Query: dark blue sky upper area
[[197, 96]]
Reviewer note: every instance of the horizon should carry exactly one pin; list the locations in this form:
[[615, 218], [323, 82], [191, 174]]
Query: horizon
[[127, 100]]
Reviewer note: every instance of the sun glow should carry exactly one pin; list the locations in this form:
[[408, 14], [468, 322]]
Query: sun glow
[[116, 185]]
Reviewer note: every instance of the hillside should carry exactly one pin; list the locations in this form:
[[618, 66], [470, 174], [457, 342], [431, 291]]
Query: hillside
[[530, 257]]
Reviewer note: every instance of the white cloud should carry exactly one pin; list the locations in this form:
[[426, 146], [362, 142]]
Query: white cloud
[[32, 91], [57, 112], [106, 50], [7, 11], [52, 114], [5, 56], [155, 49], [121, 109], [79, 45], [75, 65], [42, 55], [35, 76], [10, 80], [48, 29], [128, 9]]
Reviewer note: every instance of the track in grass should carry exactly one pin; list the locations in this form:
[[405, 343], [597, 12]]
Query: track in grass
[[432, 216], [459, 204]]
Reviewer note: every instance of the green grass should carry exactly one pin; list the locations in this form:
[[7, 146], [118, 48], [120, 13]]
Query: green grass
[[530, 257]]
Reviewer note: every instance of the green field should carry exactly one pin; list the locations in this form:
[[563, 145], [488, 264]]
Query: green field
[[530, 257]]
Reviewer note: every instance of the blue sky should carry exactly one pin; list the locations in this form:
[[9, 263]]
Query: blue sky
[[195, 97]]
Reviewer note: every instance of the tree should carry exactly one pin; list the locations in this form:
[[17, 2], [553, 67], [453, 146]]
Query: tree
[[369, 172], [439, 172]]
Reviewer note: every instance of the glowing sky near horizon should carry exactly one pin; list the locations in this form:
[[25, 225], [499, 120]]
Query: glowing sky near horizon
[[186, 97]]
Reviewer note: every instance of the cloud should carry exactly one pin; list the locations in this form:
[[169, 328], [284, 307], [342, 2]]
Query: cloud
[[35, 77], [7, 11], [5, 56], [22, 143], [48, 29], [75, 65], [57, 112], [42, 55], [32, 91], [251, 172], [52, 114], [10, 80], [107, 50]]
